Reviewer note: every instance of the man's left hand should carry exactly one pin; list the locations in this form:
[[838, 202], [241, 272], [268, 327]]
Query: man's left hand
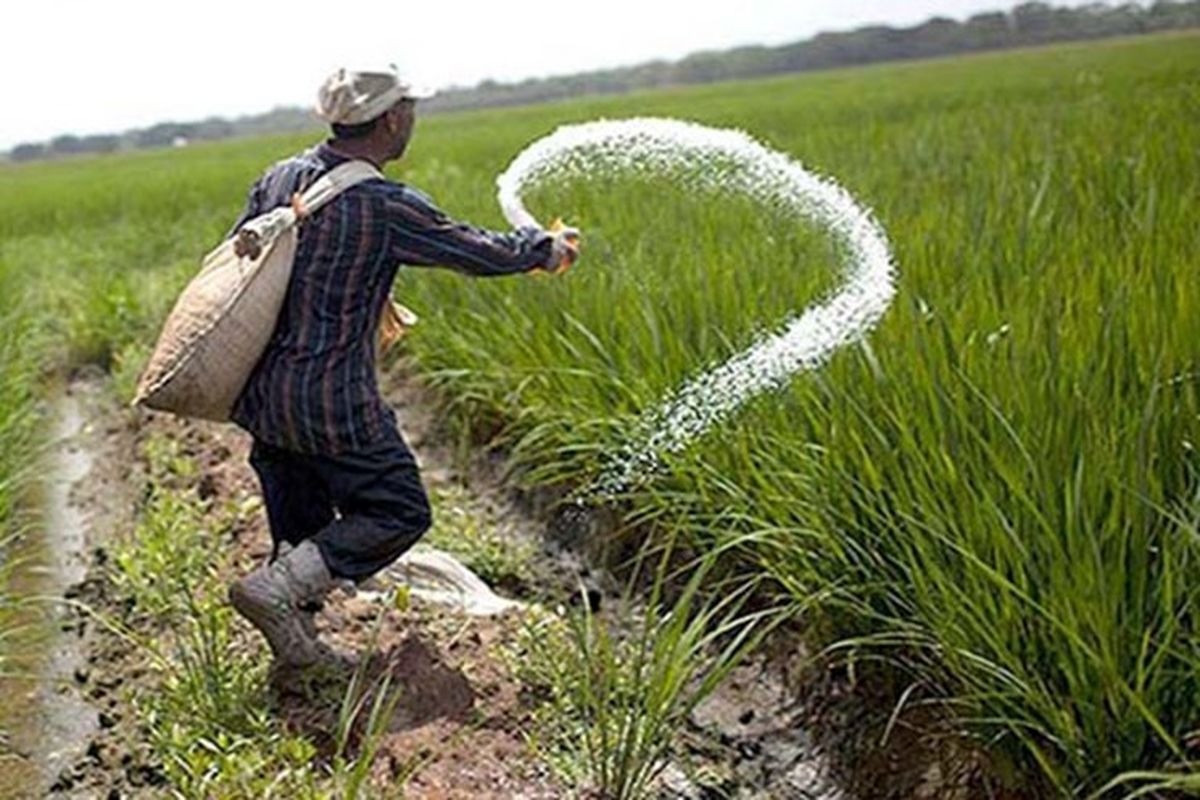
[[564, 251]]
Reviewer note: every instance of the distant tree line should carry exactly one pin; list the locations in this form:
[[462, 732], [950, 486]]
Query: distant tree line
[[168, 134], [1026, 24]]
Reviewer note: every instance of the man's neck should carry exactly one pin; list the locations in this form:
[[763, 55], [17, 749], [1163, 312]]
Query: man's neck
[[358, 149]]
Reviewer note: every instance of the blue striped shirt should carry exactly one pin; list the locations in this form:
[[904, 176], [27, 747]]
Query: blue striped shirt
[[314, 389]]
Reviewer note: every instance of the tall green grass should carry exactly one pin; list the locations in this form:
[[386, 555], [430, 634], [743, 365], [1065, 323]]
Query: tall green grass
[[999, 490], [617, 700], [18, 412], [18, 446]]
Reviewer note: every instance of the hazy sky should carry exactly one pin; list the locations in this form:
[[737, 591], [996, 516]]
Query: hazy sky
[[89, 66]]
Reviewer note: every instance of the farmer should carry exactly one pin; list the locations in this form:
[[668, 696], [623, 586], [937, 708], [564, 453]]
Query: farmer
[[342, 491]]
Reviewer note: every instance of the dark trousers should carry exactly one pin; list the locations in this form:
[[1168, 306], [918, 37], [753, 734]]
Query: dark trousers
[[362, 509]]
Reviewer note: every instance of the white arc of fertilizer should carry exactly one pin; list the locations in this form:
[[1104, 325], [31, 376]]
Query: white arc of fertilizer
[[721, 161]]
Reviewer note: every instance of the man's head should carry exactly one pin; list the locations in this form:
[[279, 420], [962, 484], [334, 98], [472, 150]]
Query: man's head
[[374, 110], [389, 133]]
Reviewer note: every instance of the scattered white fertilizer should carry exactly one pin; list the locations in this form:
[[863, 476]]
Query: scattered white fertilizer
[[720, 161]]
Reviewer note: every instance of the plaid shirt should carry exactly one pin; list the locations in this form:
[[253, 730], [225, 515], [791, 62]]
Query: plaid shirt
[[315, 390]]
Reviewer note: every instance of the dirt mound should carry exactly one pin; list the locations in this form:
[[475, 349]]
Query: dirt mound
[[454, 717]]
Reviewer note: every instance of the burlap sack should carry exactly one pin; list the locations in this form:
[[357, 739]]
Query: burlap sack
[[224, 319]]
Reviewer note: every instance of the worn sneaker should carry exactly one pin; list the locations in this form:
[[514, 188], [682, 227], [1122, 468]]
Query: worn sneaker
[[271, 596]]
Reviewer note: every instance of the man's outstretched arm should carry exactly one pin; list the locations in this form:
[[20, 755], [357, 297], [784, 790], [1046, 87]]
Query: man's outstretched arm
[[423, 235]]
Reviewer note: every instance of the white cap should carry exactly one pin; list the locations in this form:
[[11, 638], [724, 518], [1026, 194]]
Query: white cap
[[350, 98]]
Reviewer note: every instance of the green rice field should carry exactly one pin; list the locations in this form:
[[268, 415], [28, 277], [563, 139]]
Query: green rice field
[[998, 492]]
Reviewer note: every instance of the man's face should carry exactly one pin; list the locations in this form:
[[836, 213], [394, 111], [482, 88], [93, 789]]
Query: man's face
[[400, 120]]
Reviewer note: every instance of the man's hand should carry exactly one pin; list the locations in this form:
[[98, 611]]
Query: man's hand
[[564, 250], [395, 323], [248, 244]]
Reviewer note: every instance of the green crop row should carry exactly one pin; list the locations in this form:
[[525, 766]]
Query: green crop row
[[999, 490]]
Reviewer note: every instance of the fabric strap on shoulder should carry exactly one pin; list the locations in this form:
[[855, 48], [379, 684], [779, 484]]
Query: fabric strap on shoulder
[[331, 184]]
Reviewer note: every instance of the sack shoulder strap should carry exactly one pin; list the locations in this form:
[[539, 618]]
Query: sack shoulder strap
[[333, 183]]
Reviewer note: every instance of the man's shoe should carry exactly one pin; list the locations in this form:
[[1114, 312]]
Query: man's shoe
[[309, 607], [270, 598]]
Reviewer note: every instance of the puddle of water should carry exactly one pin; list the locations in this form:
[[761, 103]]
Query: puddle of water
[[47, 721]]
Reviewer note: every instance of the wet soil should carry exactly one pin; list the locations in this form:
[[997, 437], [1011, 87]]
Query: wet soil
[[48, 719], [456, 730], [459, 725]]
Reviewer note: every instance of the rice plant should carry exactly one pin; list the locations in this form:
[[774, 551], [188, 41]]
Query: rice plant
[[1001, 486], [620, 690]]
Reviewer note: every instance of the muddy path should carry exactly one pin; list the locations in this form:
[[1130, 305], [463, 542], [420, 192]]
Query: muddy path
[[48, 720], [461, 726]]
